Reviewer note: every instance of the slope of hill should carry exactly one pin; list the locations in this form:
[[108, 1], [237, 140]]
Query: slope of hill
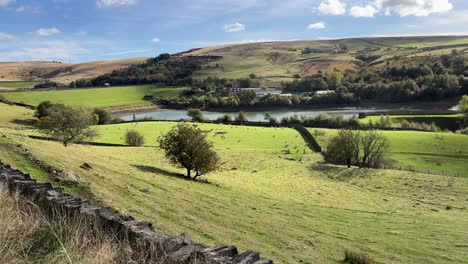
[[61, 72], [278, 61]]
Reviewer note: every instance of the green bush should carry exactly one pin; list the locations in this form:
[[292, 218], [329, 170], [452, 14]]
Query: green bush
[[134, 138], [357, 258]]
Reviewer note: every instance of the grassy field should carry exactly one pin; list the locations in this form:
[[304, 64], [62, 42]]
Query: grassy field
[[13, 116], [439, 152], [443, 121], [96, 97], [291, 207], [16, 85]]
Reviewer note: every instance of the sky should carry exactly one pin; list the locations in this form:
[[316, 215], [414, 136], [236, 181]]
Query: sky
[[88, 30]]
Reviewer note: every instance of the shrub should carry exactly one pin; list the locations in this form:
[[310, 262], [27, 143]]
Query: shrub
[[357, 258], [463, 131], [195, 114], [134, 138], [103, 116], [117, 120]]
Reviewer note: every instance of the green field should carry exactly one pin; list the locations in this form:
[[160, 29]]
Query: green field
[[291, 207], [13, 116], [17, 85], [96, 97], [437, 152], [443, 121]]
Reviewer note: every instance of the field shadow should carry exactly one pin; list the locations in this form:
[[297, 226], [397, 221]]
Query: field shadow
[[24, 122], [155, 170], [337, 172]]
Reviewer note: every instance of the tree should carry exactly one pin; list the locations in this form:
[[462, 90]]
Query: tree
[[42, 109], [360, 148], [195, 114], [67, 124], [241, 117], [103, 116], [186, 146], [134, 138], [464, 108]]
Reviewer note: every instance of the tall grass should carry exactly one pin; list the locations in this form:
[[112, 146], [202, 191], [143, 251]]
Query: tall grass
[[27, 235]]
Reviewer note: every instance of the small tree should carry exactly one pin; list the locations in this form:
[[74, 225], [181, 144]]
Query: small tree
[[464, 109], [42, 109], [360, 148], [195, 114], [186, 146], [103, 116], [241, 117], [67, 124], [134, 138]]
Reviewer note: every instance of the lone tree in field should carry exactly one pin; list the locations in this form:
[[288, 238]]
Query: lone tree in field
[[134, 138], [195, 114], [67, 124], [464, 109], [186, 146], [103, 116], [360, 148], [241, 118]]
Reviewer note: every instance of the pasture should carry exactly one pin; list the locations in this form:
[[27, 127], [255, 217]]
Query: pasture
[[95, 97], [13, 116], [443, 121], [16, 85], [438, 152], [293, 208]]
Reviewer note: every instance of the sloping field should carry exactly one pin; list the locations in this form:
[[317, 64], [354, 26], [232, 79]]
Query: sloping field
[[440, 152], [96, 97], [13, 116], [279, 61], [16, 85], [291, 207], [61, 72]]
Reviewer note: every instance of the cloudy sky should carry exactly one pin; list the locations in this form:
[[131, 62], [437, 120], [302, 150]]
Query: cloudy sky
[[83, 30]]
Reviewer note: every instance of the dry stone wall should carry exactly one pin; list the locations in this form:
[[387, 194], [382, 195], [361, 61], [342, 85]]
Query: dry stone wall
[[159, 247]]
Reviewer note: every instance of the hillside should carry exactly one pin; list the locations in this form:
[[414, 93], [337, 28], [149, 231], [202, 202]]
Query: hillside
[[280, 61], [61, 72]]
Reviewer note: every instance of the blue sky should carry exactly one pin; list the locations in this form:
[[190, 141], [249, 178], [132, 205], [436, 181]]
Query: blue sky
[[84, 30]]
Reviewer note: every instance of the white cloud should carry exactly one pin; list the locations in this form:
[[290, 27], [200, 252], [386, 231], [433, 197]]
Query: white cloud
[[110, 3], [365, 11], [235, 27], [318, 25], [5, 36], [414, 7], [44, 51], [5, 2], [44, 32], [155, 40], [28, 9], [332, 7]]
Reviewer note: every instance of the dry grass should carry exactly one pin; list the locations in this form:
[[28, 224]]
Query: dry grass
[[27, 235]]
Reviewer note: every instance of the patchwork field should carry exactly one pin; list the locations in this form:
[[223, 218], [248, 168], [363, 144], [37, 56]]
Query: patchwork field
[[291, 207], [96, 97], [437, 152]]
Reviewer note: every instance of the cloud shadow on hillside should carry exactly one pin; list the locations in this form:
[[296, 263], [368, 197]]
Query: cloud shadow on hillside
[[155, 170]]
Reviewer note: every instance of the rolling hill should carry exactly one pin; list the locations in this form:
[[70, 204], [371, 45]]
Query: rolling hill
[[61, 72], [271, 62]]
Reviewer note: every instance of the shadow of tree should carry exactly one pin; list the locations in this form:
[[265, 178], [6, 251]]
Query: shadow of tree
[[24, 122], [338, 172], [167, 173]]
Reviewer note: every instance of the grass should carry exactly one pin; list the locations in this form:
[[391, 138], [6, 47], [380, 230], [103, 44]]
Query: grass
[[15, 116], [96, 97], [443, 121], [17, 85], [439, 152], [290, 208]]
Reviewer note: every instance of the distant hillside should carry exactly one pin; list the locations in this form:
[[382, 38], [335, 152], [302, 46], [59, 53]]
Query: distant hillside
[[61, 72], [281, 61]]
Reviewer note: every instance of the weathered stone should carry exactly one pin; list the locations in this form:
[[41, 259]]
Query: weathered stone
[[247, 257], [183, 254]]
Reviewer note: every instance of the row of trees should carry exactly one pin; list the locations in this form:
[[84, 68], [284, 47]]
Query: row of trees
[[163, 69]]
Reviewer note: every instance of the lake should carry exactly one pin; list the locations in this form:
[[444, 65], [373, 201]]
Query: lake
[[167, 114]]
